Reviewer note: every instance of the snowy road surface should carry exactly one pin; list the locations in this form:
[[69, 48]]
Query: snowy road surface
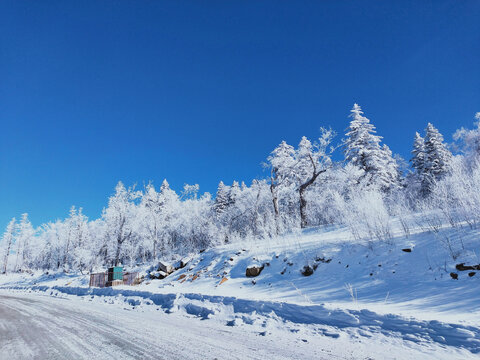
[[35, 326], [42, 327]]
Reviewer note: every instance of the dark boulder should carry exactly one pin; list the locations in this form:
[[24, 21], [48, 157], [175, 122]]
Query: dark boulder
[[307, 270], [463, 267], [166, 268], [253, 271], [454, 275], [158, 275]]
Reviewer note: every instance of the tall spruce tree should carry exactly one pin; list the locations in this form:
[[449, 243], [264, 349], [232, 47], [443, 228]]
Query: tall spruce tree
[[437, 158], [363, 150], [221, 199], [418, 154]]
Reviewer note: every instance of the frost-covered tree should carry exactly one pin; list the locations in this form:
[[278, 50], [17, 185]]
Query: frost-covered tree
[[170, 210], [81, 242], [470, 141], [7, 241], [53, 238], [281, 162], [418, 154], [120, 220], [150, 213], [75, 228], [221, 199], [389, 175], [363, 149], [234, 193], [362, 146], [437, 158], [311, 162], [193, 226], [23, 242]]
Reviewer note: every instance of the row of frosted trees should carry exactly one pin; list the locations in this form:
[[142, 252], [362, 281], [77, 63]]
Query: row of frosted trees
[[304, 188]]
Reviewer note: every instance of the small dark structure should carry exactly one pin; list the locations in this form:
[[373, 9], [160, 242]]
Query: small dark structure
[[115, 273], [97, 280], [114, 276]]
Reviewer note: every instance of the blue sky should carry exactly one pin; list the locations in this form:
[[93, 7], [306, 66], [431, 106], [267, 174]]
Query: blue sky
[[94, 92]]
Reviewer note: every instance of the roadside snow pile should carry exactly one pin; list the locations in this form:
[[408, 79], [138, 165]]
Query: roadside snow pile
[[233, 311]]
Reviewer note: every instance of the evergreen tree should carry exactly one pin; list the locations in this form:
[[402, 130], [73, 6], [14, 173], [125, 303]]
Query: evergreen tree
[[362, 146], [221, 199], [233, 193], [437, 158], [363, 149], [418, 154], [389, 174]]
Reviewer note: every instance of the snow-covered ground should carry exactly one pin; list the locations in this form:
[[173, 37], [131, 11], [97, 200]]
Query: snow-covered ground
[[364, 299]]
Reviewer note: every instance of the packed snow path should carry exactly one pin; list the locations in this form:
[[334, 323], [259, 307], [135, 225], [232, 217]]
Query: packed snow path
[[40, 327], [34, 326]]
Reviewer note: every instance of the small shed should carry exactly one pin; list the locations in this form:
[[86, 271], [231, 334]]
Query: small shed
[[115, 273], [114, 276]]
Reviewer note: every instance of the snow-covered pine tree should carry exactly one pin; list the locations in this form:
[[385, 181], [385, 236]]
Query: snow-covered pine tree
[[221, 199], [418, 155], [362, 149], [437, 158], [7, 240], [389, 174], [234, 193], [362, 146], [243, 186]]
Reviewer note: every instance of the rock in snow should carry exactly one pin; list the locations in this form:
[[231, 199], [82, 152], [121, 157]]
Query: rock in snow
[[307, 270], [158, 275], [253, 271], [166, 268]]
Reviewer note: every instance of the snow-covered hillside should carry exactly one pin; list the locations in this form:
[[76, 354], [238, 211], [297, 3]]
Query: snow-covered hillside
[[399, 291]]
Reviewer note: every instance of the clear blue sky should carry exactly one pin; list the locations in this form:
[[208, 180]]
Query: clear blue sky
[[92, 92]]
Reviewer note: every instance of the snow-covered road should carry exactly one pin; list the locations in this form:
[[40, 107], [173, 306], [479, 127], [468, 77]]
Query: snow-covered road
[[42, 327]]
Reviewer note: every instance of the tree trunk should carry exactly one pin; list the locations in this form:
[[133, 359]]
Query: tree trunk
[[155, 239], [65, 256], [120, 239], [155, 250], [303, 206], [117, 253], [6, 256], [18, 256], [273, 190], [301, 193]]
